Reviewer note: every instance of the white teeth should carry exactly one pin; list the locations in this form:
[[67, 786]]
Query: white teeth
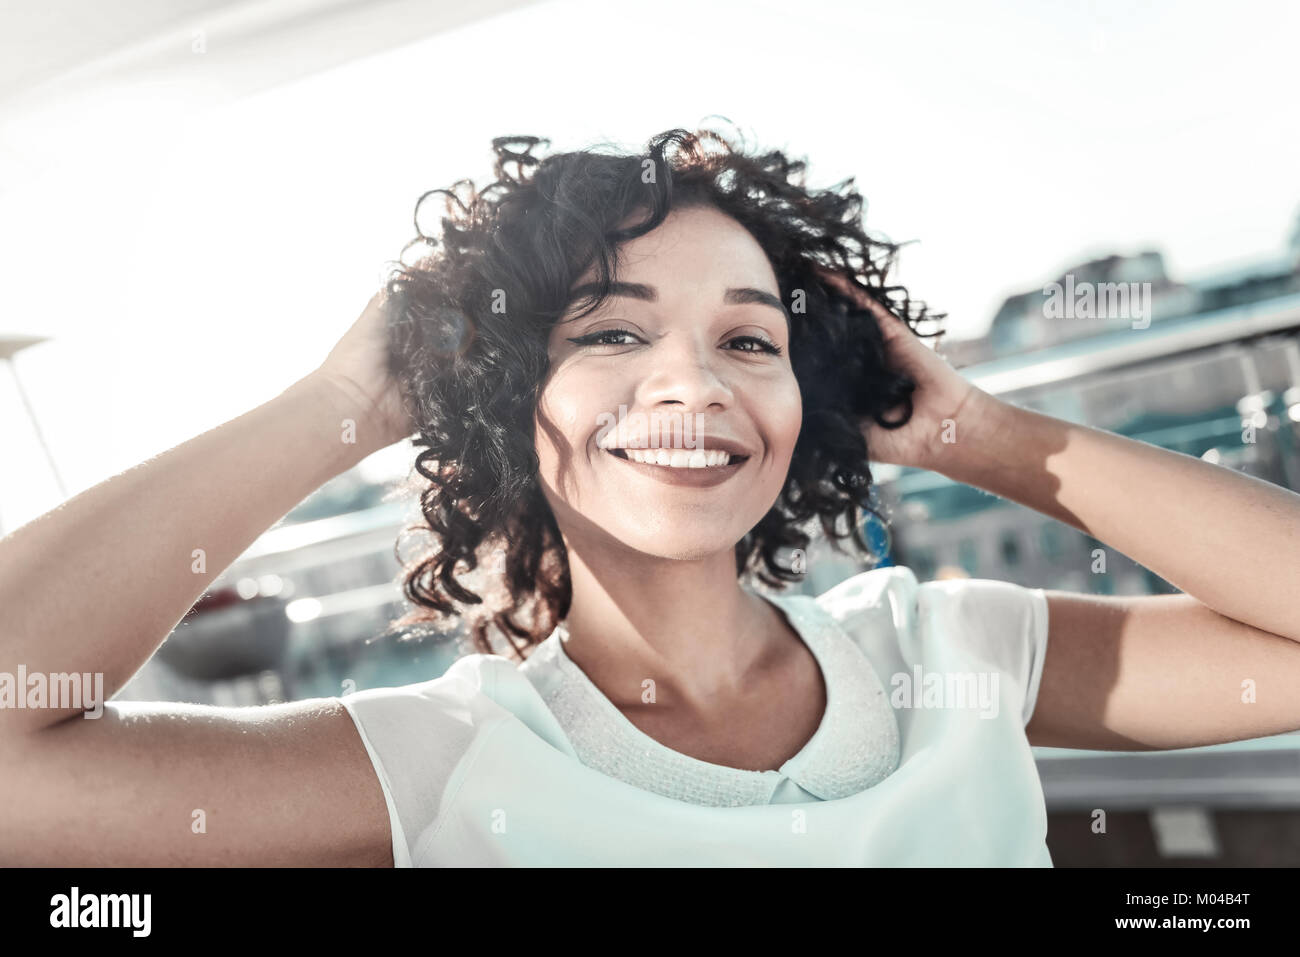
[[680, 458]]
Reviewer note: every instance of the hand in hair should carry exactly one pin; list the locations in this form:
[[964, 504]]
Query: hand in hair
[[358, 368], [943, 402]]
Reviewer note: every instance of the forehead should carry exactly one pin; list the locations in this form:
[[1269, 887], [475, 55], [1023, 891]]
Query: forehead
[[695, 252], [647, 292]]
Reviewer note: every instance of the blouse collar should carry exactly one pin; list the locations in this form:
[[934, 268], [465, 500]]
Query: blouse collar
[[855, 746]]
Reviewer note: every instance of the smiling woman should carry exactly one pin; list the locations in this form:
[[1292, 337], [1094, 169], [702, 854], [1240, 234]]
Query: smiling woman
[[653, 707], [669, 378]]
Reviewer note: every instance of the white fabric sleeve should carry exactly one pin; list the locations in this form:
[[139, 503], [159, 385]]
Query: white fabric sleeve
[[1000, 622], [401, 846], [416, 736]]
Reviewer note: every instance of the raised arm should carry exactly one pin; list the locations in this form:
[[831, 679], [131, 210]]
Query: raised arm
[[97, 584], [1218, 663]]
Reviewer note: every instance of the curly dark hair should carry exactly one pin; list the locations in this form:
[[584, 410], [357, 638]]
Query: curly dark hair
[[471, 372]]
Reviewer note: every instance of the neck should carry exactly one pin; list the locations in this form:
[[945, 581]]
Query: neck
[[686, 625]]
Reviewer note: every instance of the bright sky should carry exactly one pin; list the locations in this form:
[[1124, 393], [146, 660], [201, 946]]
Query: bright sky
[[192, 268]]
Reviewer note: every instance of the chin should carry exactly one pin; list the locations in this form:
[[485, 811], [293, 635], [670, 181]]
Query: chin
[[687, 547]]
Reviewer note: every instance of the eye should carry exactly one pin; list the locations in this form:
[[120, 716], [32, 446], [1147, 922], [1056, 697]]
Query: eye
[[601, 338], [763, 345]]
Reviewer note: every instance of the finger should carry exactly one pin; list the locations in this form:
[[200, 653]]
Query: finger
[[377, 302], [862, 299]]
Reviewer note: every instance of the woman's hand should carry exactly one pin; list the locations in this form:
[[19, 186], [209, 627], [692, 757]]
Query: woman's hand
[[357, 369], [943, 403]]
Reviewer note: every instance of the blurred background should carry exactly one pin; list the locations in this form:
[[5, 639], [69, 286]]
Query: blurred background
[[197, 197]]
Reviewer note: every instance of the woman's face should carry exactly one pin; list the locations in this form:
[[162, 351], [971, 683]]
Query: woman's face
[[681, 360]]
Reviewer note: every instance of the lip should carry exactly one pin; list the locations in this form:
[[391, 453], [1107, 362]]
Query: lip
[[689, 478]]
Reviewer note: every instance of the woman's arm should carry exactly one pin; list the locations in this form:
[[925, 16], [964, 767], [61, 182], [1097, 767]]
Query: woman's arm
[[1217, 664], [1227, 539], [97, 584]]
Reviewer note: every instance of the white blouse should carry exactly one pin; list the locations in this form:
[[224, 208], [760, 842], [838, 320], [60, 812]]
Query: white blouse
[[920, 757]]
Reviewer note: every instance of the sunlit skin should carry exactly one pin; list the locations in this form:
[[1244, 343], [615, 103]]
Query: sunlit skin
[[655, 590]]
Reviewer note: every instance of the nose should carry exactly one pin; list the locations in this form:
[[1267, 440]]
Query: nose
[[684, 373]]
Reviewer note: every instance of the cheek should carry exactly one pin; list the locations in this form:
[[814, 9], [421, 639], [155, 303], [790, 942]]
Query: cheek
[[560, 422], [783, 416]]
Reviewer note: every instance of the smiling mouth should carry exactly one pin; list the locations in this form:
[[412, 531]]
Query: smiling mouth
[[680, 458]]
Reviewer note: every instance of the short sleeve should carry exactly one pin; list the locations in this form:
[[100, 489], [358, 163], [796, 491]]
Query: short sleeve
[[999, 622], [416, 736], [893, 619]]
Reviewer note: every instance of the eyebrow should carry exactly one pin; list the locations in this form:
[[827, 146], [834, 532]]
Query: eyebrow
[[734, 296]]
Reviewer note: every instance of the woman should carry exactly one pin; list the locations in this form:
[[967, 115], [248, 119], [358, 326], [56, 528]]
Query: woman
[[636, 379]]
